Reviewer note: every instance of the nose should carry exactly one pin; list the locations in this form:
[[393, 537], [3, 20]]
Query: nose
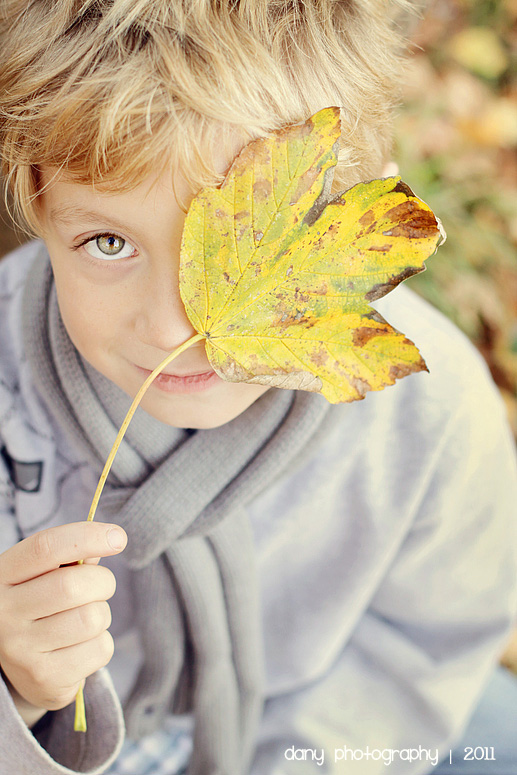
[[161, 321]]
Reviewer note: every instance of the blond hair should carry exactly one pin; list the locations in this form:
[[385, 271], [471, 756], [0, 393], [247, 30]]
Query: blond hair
[[112, 90]]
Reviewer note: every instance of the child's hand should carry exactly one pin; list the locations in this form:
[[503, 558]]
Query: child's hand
[[53, 619]]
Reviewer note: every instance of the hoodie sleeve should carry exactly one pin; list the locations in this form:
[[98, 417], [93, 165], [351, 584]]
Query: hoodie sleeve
[[421, 654], [57, 748]]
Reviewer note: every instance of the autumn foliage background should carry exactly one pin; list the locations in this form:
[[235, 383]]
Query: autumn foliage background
[[456, 146]]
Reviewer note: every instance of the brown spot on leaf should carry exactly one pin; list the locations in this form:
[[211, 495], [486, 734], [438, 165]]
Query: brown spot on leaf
[[403, 210], [400, 370], [301, 297], [305, 181], [262, 188], [288, 316], [411, 221], [319, 357], [363, 334], [381, 289], [402, 188], [361, 385], [367, 218], [380, 248], [305, 130], [374, 315], [404, 369]]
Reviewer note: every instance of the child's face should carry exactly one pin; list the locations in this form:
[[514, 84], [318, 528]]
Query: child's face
[[119, 296]]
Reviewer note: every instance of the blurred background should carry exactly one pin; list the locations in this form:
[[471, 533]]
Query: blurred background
[[456, 146]]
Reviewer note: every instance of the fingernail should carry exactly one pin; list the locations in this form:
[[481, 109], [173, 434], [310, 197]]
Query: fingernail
[[116, 538]]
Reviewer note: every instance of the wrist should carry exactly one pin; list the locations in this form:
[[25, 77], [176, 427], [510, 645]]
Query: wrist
[[30, 714]]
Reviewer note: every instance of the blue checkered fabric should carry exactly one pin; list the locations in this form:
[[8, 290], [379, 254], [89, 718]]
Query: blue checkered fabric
[[165, 752]]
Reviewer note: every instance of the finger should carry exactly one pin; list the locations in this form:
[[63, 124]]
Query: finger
[[72, 664], [69, 628], [76, 662], [62, 590], [48, 549]]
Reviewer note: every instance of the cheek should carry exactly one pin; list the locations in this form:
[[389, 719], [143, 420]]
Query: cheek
[[88, 318]]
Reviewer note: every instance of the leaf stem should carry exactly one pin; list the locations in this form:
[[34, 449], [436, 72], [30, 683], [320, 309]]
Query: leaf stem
[[80, 715], [129, 415], [80, 712]]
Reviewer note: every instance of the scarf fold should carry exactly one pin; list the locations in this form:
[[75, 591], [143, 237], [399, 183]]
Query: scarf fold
[[191, 552]]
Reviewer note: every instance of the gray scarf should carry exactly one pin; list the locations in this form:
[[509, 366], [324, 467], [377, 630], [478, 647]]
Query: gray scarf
[[194, 576]]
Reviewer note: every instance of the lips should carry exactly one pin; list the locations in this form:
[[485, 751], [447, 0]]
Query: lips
[[180, 376], [190, 382]]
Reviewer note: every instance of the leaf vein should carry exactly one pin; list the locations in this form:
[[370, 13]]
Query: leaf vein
[[234, 229], [207, 298]]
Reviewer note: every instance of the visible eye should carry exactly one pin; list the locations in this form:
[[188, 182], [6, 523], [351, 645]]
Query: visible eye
[[108, 246]]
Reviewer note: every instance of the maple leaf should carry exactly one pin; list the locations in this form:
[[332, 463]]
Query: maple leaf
[[277, 275]]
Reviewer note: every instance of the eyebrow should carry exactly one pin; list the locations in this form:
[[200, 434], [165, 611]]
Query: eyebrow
[[69, 214]]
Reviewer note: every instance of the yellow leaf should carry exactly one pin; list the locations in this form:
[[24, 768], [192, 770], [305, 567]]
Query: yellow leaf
[[278, 279]]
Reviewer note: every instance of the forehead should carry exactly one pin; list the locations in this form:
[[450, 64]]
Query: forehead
[[66, 192], [69, 204]]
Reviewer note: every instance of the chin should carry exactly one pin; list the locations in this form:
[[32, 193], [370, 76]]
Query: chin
[[195, 420], [200, 415]]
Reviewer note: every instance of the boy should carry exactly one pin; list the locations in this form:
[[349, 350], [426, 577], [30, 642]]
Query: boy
[[300, 587]]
